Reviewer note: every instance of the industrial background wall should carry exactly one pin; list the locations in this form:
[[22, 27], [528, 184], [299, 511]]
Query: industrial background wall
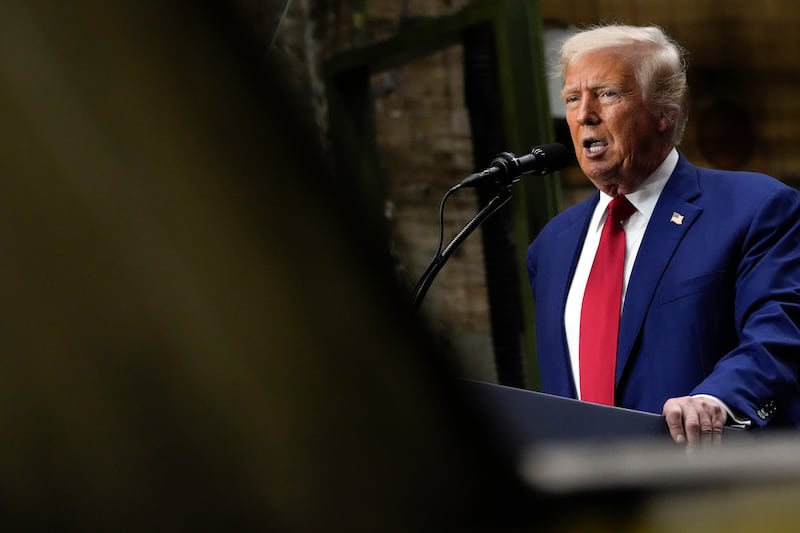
[[744, 72]]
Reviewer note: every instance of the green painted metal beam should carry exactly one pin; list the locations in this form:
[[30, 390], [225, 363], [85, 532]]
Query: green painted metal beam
[[528, 122]]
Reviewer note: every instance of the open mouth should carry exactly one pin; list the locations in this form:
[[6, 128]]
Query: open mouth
[[593, 145]]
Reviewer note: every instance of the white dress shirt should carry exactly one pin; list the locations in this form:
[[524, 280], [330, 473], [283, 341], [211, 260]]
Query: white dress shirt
[[644, 200]]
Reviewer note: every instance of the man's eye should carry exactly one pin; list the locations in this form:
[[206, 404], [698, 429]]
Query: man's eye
[[570, 99]]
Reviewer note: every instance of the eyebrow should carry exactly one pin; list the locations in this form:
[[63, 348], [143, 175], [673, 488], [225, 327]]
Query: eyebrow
[[594, 87]]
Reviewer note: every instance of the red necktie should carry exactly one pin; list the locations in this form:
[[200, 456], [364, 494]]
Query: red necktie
[[601, 308]]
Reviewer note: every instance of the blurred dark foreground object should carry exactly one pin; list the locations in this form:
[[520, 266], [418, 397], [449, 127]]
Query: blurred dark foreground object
[[195, 332]]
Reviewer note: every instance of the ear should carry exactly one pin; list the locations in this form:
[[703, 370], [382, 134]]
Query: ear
[[665, 121]]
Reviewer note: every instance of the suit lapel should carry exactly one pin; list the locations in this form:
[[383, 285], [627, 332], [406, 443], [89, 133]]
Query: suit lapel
[[563, 259], [567, 253], [672, 218], [572, 238]]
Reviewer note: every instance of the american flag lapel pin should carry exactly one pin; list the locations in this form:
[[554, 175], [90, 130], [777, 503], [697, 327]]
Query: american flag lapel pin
[[677, 218]]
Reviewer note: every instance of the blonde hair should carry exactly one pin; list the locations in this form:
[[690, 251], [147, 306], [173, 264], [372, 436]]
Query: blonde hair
[[659, 65]]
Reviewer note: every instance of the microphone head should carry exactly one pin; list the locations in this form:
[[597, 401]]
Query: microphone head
[[549, 158], [506, 168]]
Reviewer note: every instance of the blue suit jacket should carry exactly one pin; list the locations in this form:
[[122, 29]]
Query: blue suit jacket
[[713, 303]]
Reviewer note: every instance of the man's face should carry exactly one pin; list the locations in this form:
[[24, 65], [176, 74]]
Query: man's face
[[617, 139]]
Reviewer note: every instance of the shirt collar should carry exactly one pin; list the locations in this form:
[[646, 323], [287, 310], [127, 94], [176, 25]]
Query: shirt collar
[[645, 197]]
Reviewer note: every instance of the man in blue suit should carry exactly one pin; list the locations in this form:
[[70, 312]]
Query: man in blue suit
[[709, 331]]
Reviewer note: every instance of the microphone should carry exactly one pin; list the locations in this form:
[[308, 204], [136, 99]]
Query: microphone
[[506, 168]]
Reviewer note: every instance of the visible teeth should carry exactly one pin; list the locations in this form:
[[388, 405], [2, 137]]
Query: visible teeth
[[596, 146]]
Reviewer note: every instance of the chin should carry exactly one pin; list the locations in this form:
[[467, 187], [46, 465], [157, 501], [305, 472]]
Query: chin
[[609, 184], [598, 175]]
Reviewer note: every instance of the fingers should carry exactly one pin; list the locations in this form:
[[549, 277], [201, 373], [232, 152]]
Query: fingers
[[695, 420], [673, 413]]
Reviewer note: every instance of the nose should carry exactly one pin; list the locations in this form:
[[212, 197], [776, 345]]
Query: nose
[[587, 115]]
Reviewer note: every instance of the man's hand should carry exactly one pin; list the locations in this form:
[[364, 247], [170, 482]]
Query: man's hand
[[695, 420]]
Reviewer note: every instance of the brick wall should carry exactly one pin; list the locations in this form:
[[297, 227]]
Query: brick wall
[[423, 139]]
